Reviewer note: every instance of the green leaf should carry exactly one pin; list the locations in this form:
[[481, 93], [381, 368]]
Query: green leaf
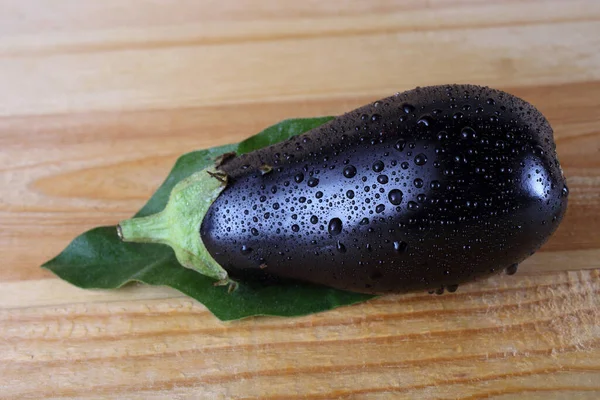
[[99, 259]]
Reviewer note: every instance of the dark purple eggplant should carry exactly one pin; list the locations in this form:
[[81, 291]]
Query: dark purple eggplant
[[423, 190]]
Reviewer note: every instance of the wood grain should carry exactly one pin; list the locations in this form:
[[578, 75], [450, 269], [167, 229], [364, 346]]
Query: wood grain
[[97, 101]]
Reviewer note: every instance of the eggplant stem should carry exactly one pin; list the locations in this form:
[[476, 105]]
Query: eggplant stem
[[178, 225], [151, 229]]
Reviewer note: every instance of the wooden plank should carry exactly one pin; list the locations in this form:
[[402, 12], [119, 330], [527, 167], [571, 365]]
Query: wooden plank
[[505, 335], [187, 76]]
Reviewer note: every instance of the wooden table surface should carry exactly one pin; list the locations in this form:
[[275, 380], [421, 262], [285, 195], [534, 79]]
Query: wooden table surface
[[99, 98]]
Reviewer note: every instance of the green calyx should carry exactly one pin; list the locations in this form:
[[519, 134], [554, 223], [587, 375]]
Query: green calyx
[[178, 225]]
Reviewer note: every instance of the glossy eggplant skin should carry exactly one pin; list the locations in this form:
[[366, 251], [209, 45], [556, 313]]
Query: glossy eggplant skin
[[426, 189]]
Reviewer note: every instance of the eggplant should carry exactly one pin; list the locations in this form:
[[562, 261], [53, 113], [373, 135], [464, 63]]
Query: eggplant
[[423, 190]]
